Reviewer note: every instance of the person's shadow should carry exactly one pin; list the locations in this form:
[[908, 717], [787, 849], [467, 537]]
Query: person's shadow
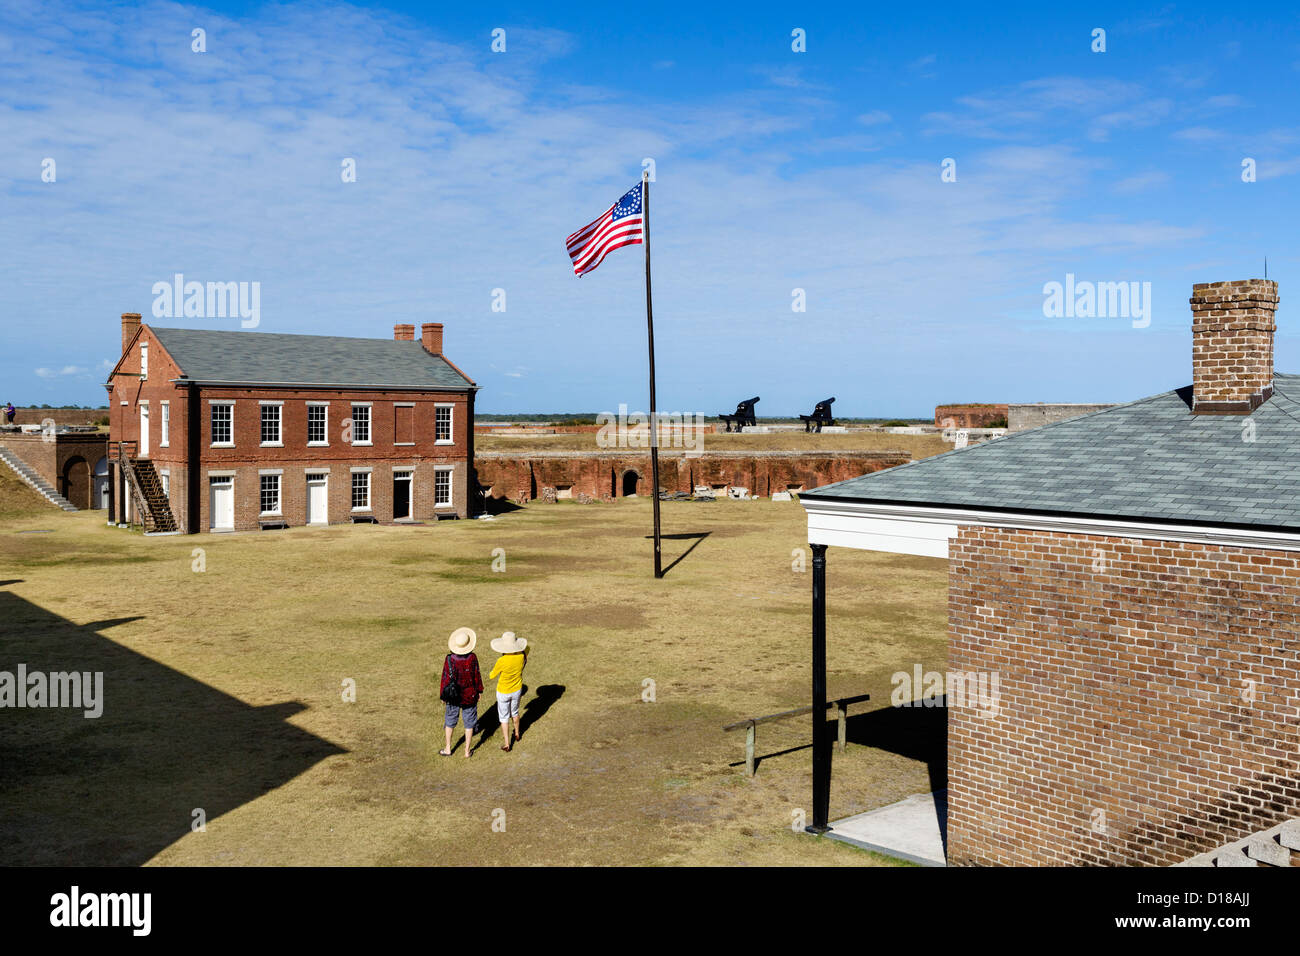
[[533, 710]]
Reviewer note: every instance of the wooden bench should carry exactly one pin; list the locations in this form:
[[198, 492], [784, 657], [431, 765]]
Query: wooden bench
[[841, 706], [269, 523]]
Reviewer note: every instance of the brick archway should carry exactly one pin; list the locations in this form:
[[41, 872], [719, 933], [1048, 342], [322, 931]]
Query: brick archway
[[76, 482], [629, 482]]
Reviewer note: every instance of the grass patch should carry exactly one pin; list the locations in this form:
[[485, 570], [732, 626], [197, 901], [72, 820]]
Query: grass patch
[[224, 690]]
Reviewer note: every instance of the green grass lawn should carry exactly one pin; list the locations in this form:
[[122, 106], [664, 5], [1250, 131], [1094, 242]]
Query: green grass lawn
[[223, 689]]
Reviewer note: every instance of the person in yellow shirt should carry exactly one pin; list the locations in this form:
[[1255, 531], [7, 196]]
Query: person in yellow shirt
[[508, 672]]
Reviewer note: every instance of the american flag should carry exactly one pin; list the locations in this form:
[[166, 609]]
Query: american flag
[[621, 225]]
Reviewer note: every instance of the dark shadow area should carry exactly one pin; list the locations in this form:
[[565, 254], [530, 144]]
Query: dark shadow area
[[536, 708], [5, 584], [918, 733], [696, 536], [499, 506], [117, 789], [1185, 393]]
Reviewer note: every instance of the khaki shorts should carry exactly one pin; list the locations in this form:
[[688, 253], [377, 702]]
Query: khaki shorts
[[508, 705]]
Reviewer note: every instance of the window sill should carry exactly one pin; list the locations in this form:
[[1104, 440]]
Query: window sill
[[403, 444], [363, 444], [222, 444], [445, 441], [271, 444], [318, 444], [364, 510]]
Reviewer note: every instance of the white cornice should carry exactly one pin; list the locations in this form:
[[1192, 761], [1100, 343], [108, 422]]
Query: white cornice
[[845, 511]]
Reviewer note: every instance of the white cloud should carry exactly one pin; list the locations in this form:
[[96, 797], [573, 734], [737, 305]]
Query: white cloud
[[874, 118]]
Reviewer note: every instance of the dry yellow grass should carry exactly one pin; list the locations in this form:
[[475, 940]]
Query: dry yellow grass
[[223, 690], [921, 446]]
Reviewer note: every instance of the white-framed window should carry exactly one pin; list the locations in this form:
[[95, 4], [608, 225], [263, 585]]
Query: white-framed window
[[442, 488], [442, 424], [270, 493], [271, 423], [361, 491], [165, 425], [144, 359], [223, 423], [361, 424], [166, 478], [318, 423]]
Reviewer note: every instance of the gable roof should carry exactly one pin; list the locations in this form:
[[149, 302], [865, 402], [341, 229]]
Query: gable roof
[[1150, 460], [269, 358]]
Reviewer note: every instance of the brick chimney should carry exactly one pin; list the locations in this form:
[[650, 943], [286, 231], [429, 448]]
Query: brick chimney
[[130, 323], [404, 333], [432, 337], [1232, 345]]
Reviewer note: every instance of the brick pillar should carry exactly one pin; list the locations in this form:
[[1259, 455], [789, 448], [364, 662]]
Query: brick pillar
[[1232, 345], [130, 323]]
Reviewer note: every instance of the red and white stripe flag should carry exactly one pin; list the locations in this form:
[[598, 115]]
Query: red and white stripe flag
[[622, 224]]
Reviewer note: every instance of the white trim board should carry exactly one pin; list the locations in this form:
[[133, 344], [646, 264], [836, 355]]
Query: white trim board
[[920, 530]]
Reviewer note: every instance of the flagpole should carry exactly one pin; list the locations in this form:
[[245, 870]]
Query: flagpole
[[650, 332]]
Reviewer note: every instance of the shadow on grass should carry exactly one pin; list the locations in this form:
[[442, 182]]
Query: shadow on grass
[[117, 789], [533, 710], [696, 536], [918, 733]]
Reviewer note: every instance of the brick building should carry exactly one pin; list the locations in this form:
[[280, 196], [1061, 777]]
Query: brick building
[[1132, 578], [233, 430]]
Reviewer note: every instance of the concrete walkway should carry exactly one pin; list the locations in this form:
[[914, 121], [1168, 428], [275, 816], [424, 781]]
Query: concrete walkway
[[912, 829]]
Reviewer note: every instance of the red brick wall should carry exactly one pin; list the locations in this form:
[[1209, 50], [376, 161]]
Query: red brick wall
[[60, 461], [61, 416], [1124, 670], [597, 475], [969, 416]]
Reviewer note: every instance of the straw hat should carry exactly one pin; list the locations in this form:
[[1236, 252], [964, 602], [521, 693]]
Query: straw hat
[[462, 640], [507, 643]]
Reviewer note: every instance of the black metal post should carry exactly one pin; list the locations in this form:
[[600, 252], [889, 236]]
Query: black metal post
[[650, 330], [821, 743]]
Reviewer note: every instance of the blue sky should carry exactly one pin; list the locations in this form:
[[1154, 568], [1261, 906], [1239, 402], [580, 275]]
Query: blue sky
[[775, 171]]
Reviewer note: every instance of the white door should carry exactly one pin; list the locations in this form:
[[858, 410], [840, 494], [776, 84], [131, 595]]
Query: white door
[[318, 501], [221, 504], [101, 485], [144, 431]]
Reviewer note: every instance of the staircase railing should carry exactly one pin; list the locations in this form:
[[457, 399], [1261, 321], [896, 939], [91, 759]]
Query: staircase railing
[[124, 455]]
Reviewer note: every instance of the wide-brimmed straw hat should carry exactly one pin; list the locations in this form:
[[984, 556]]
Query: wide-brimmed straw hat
[[462, 640], [507, 643]]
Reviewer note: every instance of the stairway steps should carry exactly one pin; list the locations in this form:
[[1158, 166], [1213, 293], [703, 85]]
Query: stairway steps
[[33, 478]]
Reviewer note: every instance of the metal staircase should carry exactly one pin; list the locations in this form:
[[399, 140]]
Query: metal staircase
[[32, 477], [151, 505]]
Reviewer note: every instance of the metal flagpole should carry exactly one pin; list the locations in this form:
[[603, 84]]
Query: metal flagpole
[[650, 330]]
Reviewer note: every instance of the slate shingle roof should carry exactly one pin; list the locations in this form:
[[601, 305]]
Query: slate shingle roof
[[1148, 460], [268, 358]]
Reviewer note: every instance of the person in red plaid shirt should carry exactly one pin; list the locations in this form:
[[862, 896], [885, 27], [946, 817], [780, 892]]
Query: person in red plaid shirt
[[462, 683]]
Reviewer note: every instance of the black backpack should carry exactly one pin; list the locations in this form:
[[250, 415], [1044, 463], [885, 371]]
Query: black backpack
[[451, 694]]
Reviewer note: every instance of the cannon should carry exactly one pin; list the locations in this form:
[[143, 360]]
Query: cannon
[[742, 416], [821, 416]]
